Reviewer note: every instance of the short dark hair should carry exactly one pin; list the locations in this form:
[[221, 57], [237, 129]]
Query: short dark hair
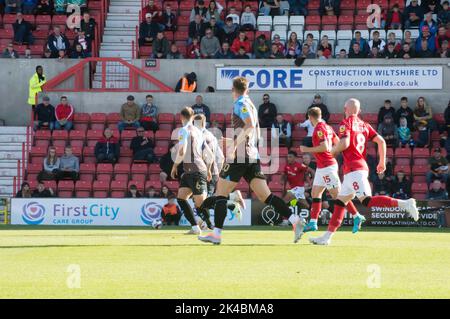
[[240, 84], [187, 112], [149, 95], [294, 153], [63, 97]]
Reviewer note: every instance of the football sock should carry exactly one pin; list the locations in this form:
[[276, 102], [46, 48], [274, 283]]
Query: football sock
[[337, 216], [352, 209], [187, 211], [217, 232], [316, 207], [204, 214], [279, 205], [220, 211], [380, 201]]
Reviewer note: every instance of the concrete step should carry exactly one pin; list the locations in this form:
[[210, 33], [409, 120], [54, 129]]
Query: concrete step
[[129, 2], [12, 138], [125, 9], [10, 130], [6, 191], [11, 148], [120, 32], [11, 155], [8, 172], [116, 54], [8, 164], [118, 38], [122, 23], [123, 17]]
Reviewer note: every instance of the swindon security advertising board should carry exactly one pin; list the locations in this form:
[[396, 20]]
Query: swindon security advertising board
[[333, 78], [97, 212]]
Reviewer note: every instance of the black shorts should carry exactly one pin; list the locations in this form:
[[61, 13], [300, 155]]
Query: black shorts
[[197, 182], [235, 171]]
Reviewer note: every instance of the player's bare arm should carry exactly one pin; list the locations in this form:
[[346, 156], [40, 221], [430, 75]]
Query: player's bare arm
[[182, 148], [341, 146], [243, 134], [323, 147], [381, 153], [208, 158]]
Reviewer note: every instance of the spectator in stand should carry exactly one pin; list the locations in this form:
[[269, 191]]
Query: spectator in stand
[[325, 47], [214, 11], [389, 51], [356, 53], [281, 131], [69, 165], [51, 165], [148, 30], [35, 85], [12, 6], [261, 47], [47, 54], [404, 133], [148, 114], [436, 191], [87, 25], [438, 167], [406, 52], [298, 7], [10, 53], [394, 17], [233, 14], [363, 46], [428, 37], [317, 102], [444, 51], [209, 45], [229, 31], [42, 192], [199, 9], [169, 19], [154, 11], [195, 28], [200, 108], [174, 53], [133, 192], [25, 191], [391, 39], [423, 113], [44, 7], [193, 50], [275, 53], [307, 141], [405, 111], [293, 47], [57, 41], [107, 149], [60, 6], [267, 112], [241, 41], [311, 43], [151, 192], [444, 14], [376, 41], [433, 6], [130, 114], [160, 46], [165, 192], [241, 54], [441, 36], [212, 24], [78, 52], [62, 55], [82, 4], [381, 185], [188, 83], [44, 115], [270, 7], [64, 113], [386, 109], [248, 19], [329, 7], [424, 51], [412, 15], [225, 52], [388, 130], [430, 23], [277, 41], [142, 147], [342, 54], [22, 30], [401, 186], [84, 42], [407, 38], [171, 213], [306, 52]]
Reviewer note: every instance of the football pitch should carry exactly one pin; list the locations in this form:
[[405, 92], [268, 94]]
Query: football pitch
[[257, 262]]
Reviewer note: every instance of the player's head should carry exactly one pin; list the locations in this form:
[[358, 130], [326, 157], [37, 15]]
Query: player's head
[[186, 114], [291, 157], [200, 121], [240, 87], [314, 115], [352, 107]]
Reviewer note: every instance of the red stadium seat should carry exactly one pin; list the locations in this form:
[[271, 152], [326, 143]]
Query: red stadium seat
[[100, 189], [163, 135], [118, 189], [329, 20], [166, 118], [404, 168], [298, 118], [83, 188], [421, 153], [419, 188], [218, 117], [37, 151], [139, 185], [403, 153], [60, 135], [98, 118], [420, 161], [92, 136], [172, 185], [155, 184], [336, 118], [362, 4], [104, 171], [43, 135], [420, 169], [403, 161], [65, 189], [113, 118], [81, 118]]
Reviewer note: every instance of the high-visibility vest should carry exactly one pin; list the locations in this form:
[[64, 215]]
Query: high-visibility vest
[[185, 87], [35, 86]]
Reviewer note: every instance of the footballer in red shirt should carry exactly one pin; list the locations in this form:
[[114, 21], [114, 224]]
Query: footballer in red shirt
[[295, 175], [327, 172], [354, 134]]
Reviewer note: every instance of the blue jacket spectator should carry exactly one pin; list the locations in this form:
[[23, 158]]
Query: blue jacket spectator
[[363, 44], [22, 30], [425, 34]]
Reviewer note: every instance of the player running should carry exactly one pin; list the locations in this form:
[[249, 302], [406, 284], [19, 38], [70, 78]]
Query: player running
[[354, 133], [295, 174], [243, 161], [327, 173], [197, 159]]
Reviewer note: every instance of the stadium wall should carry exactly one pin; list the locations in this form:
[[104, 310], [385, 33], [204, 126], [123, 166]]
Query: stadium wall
[[16, 74]]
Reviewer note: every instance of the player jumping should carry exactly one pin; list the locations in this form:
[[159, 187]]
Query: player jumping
[[197, 159], [327, 176], [354, 133], [243, 161]]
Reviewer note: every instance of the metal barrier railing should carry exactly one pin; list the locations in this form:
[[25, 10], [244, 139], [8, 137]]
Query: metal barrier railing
[[4, 209]]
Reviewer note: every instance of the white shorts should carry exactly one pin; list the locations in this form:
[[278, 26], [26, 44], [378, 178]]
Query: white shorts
[[327, 177], [356, 183], [298, 192]]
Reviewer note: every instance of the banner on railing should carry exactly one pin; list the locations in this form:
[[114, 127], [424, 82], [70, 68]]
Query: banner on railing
[[98, 212], [334, 77], [432, 214]]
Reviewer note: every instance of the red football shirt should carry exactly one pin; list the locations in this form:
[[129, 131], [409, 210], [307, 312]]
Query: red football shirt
[[359, 133], [296, 174], [323, 132]]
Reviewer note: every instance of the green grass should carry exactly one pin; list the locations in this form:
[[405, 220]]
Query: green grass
[[257, 263]]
